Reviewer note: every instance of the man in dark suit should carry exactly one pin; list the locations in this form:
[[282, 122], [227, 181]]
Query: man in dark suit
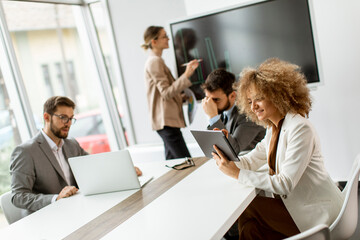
[[40, 172], [219, 105]]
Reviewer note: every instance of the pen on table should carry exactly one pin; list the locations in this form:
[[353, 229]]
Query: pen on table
[[185, 64]]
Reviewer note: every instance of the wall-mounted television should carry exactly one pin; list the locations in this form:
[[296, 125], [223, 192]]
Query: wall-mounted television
[[245, 36]]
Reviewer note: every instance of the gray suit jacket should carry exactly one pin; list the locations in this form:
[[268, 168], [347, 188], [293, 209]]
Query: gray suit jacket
[[243, 134], [36, 175]]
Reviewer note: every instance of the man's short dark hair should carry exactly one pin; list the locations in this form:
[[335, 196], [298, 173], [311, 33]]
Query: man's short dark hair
[[52, 103], [219, 79]]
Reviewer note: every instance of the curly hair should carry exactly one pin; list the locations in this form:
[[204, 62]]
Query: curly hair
[[278, 81]]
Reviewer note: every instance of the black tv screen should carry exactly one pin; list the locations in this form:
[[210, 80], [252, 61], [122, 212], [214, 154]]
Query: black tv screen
[[246, 36]]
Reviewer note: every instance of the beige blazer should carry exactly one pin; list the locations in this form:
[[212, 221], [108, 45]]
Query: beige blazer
[[308, 192], [164, 94]]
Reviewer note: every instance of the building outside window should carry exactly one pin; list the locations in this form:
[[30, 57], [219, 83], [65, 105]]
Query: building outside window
[[43, 32], [48, 55], [110, 58], [47, 79]]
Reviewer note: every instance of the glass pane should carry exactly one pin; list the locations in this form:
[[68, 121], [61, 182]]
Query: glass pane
[[52, 62], [9, 138], [98, 14]]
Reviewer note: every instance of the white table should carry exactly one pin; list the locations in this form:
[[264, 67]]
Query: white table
[[63, 217], [204, 205], [201, 206]]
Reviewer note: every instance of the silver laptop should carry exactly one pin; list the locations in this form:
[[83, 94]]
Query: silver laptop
[[104, 172]]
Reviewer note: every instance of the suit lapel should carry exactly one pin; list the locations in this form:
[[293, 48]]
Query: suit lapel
[[44, 146], [233, 117]]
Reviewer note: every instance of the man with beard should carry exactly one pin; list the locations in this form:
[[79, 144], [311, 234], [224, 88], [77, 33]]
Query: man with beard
[[40, 172], [219, 106]]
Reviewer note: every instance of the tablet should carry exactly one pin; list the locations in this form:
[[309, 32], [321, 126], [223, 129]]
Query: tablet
[[207, 138]]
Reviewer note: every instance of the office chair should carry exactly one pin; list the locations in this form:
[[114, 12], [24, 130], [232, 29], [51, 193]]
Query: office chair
[[12, 213], [319, 232], [345, 224]]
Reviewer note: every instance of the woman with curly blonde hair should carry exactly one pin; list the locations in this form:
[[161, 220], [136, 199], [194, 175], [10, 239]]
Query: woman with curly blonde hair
[[287, 164]]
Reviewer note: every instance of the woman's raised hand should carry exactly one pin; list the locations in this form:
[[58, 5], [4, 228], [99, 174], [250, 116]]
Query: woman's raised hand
[[191, 67]]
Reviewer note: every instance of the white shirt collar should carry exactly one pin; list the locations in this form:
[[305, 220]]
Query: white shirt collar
[[228, 112], [51, 143]]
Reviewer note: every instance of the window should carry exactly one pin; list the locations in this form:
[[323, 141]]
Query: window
[[108, 50], [9, 138], [90, 132], [60, 72], [46, 33], [47, 79], [42, 54]]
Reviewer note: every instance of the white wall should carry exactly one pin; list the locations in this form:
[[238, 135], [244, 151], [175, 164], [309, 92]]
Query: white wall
[[336, 104], [194, 7], [130, 20]]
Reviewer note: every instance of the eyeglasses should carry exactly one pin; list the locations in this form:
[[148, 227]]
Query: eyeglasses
[[181, 166], [65, 119], [163, 37]]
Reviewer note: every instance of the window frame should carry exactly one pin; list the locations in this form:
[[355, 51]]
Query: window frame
[[89, 38]]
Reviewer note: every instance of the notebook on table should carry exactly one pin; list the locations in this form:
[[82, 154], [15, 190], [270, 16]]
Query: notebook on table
[[105, 172]]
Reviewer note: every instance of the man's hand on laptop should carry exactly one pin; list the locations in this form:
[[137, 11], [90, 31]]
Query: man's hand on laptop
[[67, 192], [138, 171]]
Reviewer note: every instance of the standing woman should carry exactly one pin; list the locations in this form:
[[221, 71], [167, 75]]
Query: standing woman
[[164, 93], [288, 162]]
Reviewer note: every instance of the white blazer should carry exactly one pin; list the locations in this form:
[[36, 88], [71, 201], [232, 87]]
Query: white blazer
[[305, 187]]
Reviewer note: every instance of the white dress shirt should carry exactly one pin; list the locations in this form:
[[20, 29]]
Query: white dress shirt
[[59, 155]]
